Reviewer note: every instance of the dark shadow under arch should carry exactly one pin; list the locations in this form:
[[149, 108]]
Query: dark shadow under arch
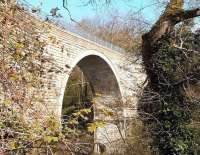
[[102, 85]]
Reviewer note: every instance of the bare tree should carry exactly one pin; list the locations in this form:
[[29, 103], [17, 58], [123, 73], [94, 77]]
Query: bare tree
[[120, 29]]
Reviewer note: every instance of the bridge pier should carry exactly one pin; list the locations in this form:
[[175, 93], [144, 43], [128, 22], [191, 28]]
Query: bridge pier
[[108, 109]]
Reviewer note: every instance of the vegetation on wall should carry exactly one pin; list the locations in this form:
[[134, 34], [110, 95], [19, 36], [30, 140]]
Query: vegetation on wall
[[26, 124]]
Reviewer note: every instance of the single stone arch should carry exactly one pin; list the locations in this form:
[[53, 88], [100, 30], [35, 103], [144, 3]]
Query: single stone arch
[[107, 61], [99, 71], [104, 80]]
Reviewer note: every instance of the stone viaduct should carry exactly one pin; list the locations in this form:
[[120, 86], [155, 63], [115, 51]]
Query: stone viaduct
[[113, 73]]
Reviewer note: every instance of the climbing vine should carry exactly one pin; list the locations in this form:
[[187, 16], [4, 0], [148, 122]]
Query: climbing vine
[[175, 70]]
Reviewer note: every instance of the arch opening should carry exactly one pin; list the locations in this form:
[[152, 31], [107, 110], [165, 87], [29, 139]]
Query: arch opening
[[100, 75], [92, 79]]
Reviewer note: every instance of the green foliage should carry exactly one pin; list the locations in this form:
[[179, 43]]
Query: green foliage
[[173, 63], [92, 127], [175, 69]]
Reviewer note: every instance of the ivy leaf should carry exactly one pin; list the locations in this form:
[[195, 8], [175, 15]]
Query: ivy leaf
[[92, 127]]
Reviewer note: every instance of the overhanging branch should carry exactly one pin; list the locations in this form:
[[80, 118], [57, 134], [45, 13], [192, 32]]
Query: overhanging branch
[[184, 15]]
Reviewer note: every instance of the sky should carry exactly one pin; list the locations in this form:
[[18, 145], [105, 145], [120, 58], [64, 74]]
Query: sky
[[79, 11]]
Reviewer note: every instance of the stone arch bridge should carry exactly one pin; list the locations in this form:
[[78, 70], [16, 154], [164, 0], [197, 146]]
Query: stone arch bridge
[[111, 72]]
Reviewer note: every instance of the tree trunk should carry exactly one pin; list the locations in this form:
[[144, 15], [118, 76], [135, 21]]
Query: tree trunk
[[169, 99], [173, 14]]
